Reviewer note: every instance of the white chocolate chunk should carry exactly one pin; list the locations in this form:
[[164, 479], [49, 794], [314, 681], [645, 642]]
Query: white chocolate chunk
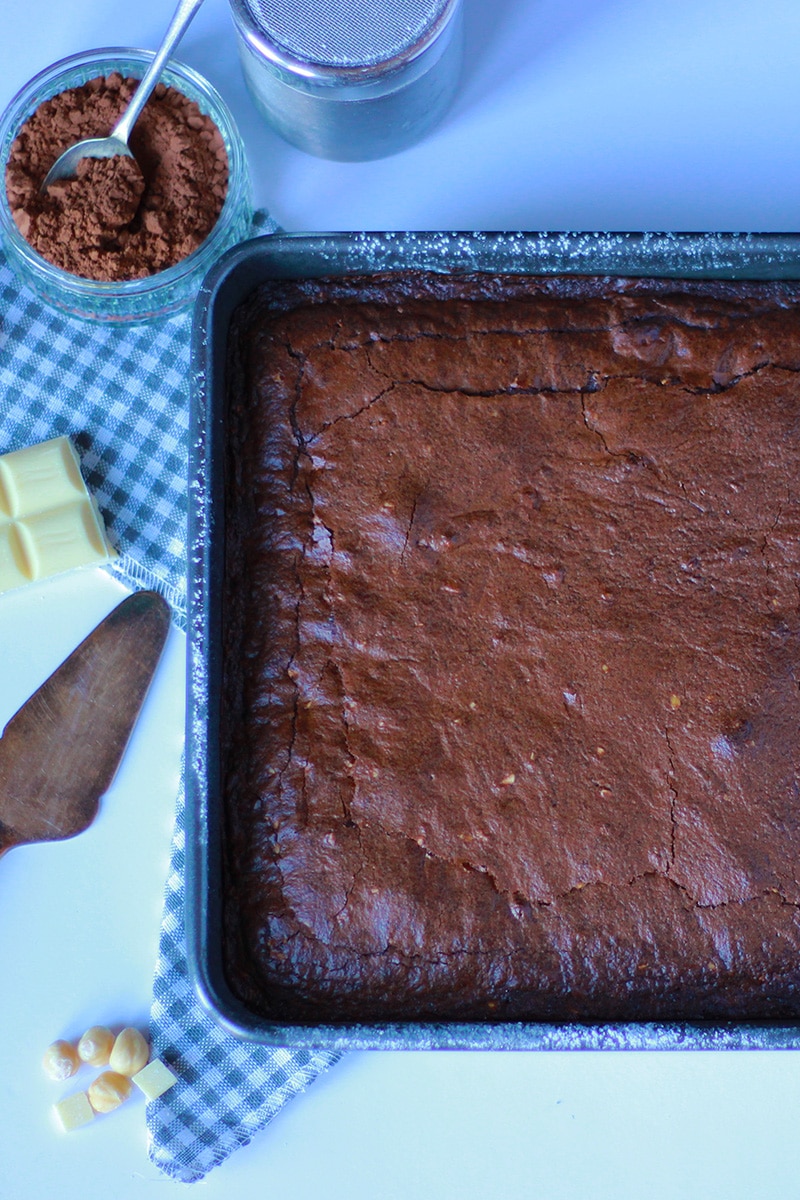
[[74, 1112], [39, 477], [63, 538], [48, 521], [155, 1079], [14, 565]]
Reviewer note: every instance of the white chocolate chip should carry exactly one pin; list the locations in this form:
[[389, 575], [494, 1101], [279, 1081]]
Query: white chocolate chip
[[155, 1079], [74, 1111]]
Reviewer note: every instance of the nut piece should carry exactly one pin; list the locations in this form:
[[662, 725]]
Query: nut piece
[[155, 1079], [108, 1091], [94, 1047], [60, 1061], [74, 1112], [129, 1053]]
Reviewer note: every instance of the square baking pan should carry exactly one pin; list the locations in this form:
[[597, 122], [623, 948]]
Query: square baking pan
[[236, 276]]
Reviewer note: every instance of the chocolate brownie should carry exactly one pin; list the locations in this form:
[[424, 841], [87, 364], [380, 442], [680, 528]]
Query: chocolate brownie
[[511, 650]]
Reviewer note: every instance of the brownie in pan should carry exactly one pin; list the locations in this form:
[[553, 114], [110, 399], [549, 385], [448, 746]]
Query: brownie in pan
[[511, 650]]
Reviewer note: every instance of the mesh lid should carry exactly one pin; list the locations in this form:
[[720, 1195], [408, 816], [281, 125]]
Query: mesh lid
[[345, 33]]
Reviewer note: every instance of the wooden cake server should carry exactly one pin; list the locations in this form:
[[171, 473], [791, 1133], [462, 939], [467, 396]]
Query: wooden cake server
[[60, 752]]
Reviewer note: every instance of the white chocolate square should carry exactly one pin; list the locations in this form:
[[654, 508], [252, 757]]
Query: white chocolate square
[[14, 567], [39, 477], [74, 1111], [155, 1079], [48, 521], [63, 538]]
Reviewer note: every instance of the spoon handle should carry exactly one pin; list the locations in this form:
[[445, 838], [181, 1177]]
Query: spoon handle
[[178, 25]]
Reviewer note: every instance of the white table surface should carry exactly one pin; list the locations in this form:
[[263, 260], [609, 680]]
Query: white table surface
[[581, 114]]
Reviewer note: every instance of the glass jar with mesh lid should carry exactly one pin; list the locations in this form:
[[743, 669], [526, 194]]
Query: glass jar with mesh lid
[[359, 79]]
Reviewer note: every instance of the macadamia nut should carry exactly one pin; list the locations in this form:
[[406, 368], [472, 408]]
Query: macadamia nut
[[129, 1053]]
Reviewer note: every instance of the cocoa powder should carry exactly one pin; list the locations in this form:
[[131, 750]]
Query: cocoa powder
[[118, 220]]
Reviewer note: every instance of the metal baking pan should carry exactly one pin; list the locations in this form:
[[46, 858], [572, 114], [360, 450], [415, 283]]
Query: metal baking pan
[[719, 256]]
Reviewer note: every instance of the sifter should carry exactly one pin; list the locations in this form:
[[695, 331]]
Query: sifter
[[350, 79]]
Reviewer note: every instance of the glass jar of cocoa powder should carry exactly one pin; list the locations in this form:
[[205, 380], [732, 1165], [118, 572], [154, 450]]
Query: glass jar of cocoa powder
[[170, 288]]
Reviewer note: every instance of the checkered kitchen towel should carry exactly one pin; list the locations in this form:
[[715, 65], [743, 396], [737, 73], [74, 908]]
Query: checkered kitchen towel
[[122, 393], [227, 1089]]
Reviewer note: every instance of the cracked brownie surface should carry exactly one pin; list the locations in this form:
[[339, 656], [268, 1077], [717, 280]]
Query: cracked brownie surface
[[511, 650]]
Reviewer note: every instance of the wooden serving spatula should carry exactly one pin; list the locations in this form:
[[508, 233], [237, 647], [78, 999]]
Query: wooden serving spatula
[[60, 752]]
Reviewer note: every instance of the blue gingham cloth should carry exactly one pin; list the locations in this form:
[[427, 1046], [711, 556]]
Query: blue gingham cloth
[[122, 393], [227, 1089]]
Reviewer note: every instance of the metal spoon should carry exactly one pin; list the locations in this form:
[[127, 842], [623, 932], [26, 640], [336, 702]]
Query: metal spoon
[[116, 143]]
